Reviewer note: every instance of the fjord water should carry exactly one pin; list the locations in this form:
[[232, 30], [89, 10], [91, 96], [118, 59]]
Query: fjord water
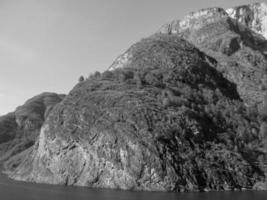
[[14, 190]]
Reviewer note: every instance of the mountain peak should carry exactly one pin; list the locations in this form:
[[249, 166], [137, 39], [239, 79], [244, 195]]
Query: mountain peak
[[254, 16], [194, 20]]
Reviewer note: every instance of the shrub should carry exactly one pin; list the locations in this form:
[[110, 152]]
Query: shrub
[[125, 75], [81, 79], [95, 75], [108, 75]]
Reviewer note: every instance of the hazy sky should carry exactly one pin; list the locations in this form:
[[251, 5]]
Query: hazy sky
[[45, 45]]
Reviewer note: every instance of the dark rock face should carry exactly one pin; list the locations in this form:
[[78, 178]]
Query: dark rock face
[[167, 121], [20, 129]]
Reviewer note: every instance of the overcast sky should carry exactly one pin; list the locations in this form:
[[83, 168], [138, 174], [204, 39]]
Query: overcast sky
[[45, 45]]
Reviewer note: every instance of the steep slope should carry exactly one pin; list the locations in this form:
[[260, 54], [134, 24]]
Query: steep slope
[[166, 121], [8, 127], [239, 51], [19, 130]]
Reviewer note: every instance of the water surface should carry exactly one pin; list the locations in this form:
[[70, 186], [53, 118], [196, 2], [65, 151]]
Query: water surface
[[14, 190]]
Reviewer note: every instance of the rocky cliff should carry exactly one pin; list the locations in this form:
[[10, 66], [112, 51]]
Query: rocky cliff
[[254, 16], [178, 111], [20, 129]]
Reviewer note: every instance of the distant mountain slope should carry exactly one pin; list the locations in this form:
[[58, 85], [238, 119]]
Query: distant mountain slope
[[8, 127], [19, 130]]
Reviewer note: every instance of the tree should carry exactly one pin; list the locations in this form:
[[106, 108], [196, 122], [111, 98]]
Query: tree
[[108, 75], [97, 74], [81, 79]]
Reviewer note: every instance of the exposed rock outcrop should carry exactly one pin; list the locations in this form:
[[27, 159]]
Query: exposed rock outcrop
[[121, 61], [194, 21], [19, 130], [254, 16]]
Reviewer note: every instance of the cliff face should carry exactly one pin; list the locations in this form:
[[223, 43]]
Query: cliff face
[[168, 121], [20, 129], [254, 16], [194, 21]]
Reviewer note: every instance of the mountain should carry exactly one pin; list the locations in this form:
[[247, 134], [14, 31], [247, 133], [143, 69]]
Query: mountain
[[182, 110], [168, 121], [20, 129]]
